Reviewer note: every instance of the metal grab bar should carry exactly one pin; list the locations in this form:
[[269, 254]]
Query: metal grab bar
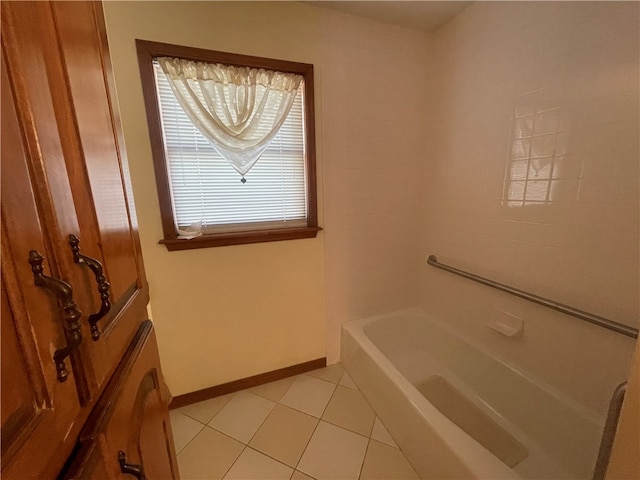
[[560, 307], [609, 432]]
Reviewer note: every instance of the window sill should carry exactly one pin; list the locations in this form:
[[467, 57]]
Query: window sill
[[240, 238]]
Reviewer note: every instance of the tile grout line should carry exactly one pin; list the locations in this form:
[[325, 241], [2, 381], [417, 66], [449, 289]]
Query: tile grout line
[[375, 416], [396, 445], [364, 458], [191, 440], [207, 422], [270, 456], [221, 433], [335, 387], [347, 428], [260, 451], [265, 419], [275, 403], [234, 462], [246, 445]]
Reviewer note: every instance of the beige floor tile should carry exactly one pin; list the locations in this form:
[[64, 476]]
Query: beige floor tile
[[333, 453], [309, 395], [381, 434], [332, 373], [297, 475], [242, 416], [347, 381], [284, 434], [252, 465], [206, 410], [273, 390], [184, 429], [208, 456], [383, 462], [349, 409]]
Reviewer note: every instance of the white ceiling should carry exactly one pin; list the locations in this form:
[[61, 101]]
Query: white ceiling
[[423, 15]]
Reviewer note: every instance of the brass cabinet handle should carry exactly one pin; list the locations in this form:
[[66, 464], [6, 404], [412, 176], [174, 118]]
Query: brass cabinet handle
[[101, 280], [130, 468], [70, 312]]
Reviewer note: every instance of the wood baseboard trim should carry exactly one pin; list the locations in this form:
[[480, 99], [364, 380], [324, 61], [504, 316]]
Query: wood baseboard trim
[[254, 381]]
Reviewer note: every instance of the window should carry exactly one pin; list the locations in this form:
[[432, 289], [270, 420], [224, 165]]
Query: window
[[536, 153], [199, 185]]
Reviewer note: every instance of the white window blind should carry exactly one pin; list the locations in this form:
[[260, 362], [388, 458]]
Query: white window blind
[[204, 187]]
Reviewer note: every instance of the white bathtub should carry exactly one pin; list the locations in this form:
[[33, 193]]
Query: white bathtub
[[389, 355]]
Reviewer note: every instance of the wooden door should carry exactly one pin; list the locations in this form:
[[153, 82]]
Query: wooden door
[[40, 414], [138, 431], [59, 49], [87, 464], [130, 426]]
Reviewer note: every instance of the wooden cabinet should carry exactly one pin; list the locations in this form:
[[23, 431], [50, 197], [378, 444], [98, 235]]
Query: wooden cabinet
[[74, 292], [130, 431]]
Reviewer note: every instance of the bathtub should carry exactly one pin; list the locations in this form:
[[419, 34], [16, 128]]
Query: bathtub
[[485, 419]]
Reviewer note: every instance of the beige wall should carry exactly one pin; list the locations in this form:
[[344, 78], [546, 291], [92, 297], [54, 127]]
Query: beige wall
[[229, 312], [573, 67]]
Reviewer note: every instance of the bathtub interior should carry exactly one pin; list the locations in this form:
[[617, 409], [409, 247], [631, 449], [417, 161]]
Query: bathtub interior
[[454, 405], [559, 438]]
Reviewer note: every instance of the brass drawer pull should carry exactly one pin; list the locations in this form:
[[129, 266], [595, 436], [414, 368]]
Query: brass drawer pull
[[101, 280], [130, 468], [70, 312]]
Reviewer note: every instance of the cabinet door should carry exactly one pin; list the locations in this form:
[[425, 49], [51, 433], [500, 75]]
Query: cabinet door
[[58, 51], [39, 413], [133, 429], [99, 179]]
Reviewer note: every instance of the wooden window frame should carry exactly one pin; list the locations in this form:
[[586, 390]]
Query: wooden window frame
[[147, 52]]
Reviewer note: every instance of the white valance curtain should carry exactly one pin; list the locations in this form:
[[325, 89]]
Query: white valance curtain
[[238, 109]]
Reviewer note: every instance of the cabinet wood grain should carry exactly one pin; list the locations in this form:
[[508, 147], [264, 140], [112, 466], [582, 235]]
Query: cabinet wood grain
[[65, 175]]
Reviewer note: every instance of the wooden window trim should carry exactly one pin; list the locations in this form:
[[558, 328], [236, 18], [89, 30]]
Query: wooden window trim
[[147, 51]]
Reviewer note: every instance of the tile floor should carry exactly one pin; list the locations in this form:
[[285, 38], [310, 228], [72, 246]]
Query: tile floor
[[316, 425]]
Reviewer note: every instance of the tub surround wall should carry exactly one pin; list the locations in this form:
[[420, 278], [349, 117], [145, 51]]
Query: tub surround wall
[[373, 102], [532, 180]]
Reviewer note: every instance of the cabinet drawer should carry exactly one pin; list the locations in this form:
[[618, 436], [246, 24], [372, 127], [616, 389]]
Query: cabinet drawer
[[130, 429]]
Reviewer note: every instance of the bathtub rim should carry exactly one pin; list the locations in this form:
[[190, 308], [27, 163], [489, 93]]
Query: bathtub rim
[[582, 410], [471, 454]]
